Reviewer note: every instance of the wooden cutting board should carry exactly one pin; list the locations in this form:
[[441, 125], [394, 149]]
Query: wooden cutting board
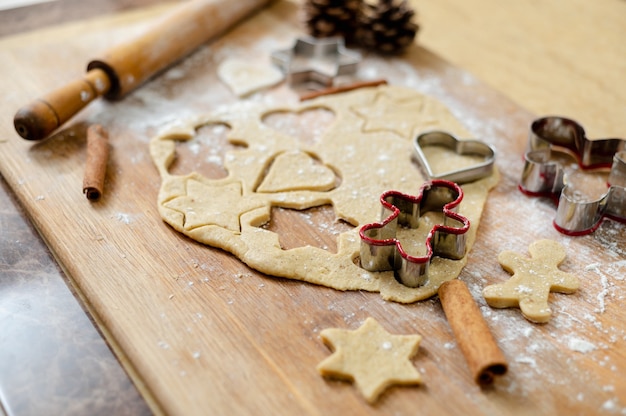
[[201, 333]]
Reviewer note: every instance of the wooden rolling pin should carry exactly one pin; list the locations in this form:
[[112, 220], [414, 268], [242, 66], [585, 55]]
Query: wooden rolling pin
[[126, 66]]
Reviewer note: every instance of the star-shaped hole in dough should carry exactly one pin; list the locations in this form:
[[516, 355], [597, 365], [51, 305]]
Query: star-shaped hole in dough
[[371, 357], [532, 281], [385, 114], [204, 204]]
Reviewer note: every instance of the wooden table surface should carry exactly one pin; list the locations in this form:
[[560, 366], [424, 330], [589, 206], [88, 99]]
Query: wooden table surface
[[550, 57]]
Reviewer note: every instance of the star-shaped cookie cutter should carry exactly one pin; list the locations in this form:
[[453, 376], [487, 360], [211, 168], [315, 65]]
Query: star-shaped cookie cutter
[[543, 177], [460, 147], [382, 251], [316, 60]]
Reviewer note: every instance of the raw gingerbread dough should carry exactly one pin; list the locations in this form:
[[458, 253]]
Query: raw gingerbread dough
[[370, 356], [532, 281], [368, 147], [244, 77]]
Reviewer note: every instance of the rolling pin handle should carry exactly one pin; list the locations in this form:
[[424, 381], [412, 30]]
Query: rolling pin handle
[[41, 117]]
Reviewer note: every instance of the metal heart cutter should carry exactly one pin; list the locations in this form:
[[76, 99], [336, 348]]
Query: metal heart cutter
[[316, 61], [470, 173], [541, 176], [382, 251]]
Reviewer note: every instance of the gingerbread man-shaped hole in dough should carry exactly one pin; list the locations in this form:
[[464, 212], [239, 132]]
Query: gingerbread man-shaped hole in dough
[[532, 281]]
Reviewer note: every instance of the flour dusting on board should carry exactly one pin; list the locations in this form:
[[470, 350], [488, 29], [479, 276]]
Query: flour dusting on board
[[578, 330], [123, 218], [573, 332], [580, 345]]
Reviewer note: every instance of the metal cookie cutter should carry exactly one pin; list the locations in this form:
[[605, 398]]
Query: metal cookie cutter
[[313, 60], [543, 177], [461, 147], [382, 251]]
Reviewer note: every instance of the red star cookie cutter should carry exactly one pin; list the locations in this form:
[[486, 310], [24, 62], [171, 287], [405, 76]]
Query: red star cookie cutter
[[382, 251]]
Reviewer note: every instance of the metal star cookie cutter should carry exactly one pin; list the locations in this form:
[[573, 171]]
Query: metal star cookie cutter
[[316, 60], [382, 251], [543, 177], [460, 147]]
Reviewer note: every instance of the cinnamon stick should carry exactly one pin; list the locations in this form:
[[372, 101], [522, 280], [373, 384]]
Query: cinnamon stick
[[342, 88], [97, 158], [484, 357]]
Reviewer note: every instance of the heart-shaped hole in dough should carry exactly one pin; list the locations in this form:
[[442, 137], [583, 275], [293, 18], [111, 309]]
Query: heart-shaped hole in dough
[[307, 126]]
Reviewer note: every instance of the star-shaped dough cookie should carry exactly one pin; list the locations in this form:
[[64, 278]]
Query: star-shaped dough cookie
[[532, 281], [386, 115], [204, 205], [371, 357]]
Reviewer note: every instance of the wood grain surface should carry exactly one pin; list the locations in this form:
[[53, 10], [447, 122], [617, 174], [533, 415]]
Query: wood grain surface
[[197, 330]]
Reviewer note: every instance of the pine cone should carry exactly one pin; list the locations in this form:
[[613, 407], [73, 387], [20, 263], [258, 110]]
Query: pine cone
[[328, 18], [387, 26]]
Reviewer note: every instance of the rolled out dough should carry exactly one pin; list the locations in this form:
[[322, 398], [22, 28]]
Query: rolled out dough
[[368, 146]]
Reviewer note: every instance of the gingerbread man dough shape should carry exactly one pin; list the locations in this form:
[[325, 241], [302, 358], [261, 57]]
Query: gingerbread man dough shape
[[532, 281]]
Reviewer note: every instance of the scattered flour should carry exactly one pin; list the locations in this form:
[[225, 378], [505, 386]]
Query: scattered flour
[[580, 345], [526, 360], [124, 218], [525, 343]]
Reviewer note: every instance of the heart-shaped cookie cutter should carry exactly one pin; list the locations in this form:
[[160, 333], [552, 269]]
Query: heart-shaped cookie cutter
[[461, 147], [325, 59], [543, 177], [382, 251]]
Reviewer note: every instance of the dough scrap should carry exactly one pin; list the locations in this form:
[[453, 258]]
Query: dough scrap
[[371, 357], [532, 281], [367, 162], [244, 77]]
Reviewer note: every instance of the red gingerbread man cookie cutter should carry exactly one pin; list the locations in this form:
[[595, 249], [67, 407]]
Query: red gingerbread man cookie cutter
[[382, 251], [576, 215]]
